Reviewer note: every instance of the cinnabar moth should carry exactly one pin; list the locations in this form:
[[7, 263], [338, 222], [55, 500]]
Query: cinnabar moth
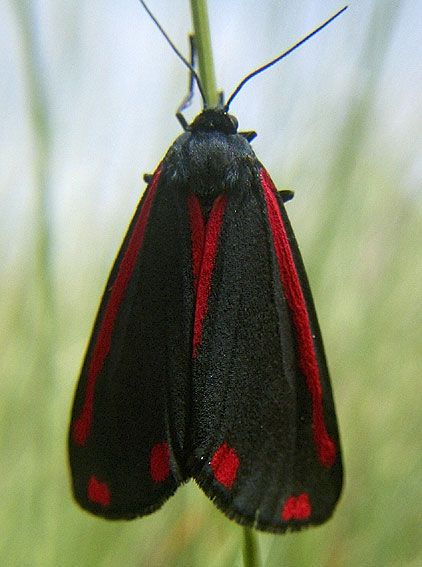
[[206, 359]]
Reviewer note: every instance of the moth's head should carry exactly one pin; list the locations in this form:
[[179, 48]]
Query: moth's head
[[214, 119]]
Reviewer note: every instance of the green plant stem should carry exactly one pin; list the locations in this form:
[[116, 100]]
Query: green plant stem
[[204, 50], [250, 549]]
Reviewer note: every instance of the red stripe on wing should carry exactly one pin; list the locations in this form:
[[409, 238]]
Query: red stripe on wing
[[308, 364], [205, 266], [82, 424]]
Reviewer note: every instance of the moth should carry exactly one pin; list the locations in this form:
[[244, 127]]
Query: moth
[[206, 359]]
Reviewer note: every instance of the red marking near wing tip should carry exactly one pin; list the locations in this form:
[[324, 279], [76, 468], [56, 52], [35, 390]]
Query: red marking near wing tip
[[98, 492], [326, 448], [225, 463], [207, 263], [159, 462], [296, 508], [82, 424]]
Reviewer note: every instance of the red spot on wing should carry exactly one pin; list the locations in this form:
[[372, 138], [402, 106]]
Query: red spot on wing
[[159, 463], [207, 262], [225, 463], [98, 492], [82, 424], [326, 448], [296, 508]]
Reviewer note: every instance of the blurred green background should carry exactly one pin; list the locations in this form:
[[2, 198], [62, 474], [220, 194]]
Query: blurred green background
[[88, 92]]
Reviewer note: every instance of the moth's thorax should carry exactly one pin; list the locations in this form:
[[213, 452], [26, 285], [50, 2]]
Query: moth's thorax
[[211, 150]]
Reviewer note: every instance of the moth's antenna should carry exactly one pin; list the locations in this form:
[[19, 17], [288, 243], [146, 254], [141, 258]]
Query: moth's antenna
[[277, 59], [177, 52]]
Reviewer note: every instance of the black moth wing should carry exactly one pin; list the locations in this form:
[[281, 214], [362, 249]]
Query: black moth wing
[[253, 430], [127, 435]]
